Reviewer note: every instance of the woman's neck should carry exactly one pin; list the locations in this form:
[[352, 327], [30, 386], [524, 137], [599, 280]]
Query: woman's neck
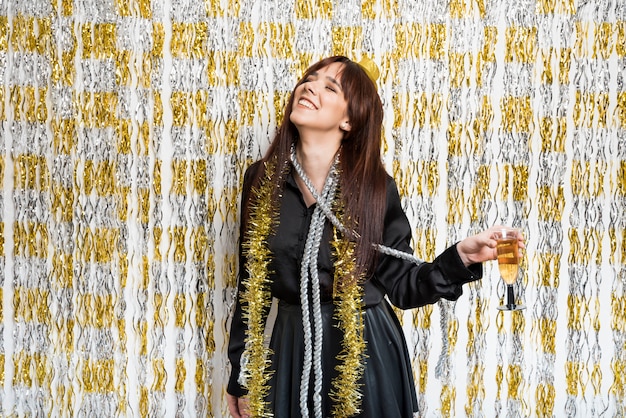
[[316, 160]]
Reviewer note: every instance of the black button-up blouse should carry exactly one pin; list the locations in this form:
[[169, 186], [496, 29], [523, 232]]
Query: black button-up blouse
[[407, 285]]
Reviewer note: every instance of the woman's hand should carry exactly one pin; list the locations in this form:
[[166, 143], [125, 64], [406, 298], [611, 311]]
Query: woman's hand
[[238, 407], [481, 247]]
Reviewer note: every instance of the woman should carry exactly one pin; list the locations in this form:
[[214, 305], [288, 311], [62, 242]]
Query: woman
[[323, 232]]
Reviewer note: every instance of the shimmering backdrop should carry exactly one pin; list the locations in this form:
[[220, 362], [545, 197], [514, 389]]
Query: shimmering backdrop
[[125, 128]]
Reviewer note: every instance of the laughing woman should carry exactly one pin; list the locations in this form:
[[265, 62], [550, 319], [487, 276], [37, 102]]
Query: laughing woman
[[323, 232]]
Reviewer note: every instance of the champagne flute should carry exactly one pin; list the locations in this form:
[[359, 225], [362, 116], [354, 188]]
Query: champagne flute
[[508, 264]]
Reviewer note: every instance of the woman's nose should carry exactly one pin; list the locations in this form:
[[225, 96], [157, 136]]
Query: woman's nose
[[311, 88]]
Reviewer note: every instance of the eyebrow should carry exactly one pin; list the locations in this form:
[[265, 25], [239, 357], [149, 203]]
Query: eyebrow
[[329, 78]]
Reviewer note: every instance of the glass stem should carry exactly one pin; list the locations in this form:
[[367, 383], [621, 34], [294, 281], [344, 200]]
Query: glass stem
[[510, 297]]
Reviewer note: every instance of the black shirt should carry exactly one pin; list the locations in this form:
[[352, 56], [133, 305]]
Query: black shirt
[[406, 284]]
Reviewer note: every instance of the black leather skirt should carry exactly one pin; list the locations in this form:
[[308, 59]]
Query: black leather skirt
[[387, 383]]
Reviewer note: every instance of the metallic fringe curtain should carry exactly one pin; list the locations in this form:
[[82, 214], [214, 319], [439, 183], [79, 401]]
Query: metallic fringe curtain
[[126, 126]]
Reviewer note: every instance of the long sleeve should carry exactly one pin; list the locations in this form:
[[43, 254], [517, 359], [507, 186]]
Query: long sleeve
[[409, 285], [235, 349]]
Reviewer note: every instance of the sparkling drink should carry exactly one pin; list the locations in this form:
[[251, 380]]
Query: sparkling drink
[[508, 263], [508, 259]]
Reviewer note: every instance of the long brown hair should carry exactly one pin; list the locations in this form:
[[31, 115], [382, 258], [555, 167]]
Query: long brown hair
[[362, 174]]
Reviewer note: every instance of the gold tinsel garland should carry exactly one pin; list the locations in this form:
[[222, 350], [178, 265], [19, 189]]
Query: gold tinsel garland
[[349, 313], [257, 298]]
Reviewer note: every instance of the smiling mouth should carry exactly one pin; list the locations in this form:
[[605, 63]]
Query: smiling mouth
[[307, 104]]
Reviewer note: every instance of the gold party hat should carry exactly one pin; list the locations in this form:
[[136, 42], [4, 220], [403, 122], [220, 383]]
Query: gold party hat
[[370, 68]]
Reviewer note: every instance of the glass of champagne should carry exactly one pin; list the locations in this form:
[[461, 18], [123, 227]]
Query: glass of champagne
[[508, 263]]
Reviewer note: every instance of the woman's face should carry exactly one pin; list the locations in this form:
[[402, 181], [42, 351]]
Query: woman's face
[[319, 102]]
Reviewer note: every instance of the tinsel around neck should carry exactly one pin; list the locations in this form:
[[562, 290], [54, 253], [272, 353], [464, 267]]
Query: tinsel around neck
[[257, 298]]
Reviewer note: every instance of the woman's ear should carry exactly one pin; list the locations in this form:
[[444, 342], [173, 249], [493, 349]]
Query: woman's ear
[[345, 126]]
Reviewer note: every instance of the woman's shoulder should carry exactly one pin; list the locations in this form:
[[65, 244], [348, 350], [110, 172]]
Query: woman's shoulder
[[390, 185], [254, 167], [252, 171]]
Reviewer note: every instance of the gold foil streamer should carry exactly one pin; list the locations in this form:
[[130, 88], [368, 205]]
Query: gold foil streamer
[[98, 40], [4, 34], [180, 375], [309, 9], [620, 41], [436, 33], [546, 7], [31, 305], [455, 136], [98, 110], [247, 102], [123, 74], [410, 37], [23, 35], [188, 39], [344, 39], [160, 375], [95, 310], [521, 44], [620, 111], [281, 36], [545, 394], [458, 9], [246, 43], [455, 199], [3, 115], [157, 179], [448, 396], [517, 115], [603, 40], [547, 74]]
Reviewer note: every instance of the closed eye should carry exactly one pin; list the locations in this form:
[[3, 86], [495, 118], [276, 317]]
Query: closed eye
[[334, 84]]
